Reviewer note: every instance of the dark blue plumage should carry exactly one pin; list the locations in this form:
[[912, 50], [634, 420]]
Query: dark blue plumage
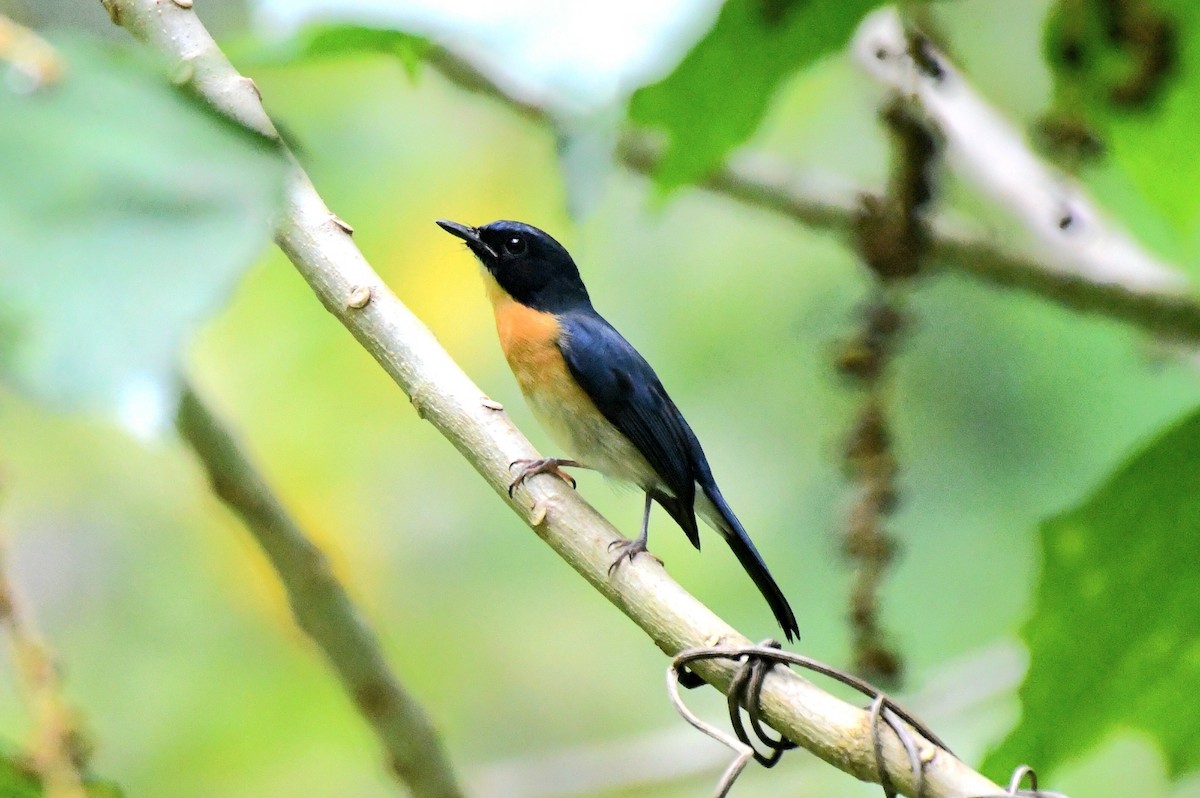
[[598, 396]]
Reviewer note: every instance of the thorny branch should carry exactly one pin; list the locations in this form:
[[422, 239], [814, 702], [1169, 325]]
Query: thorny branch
[[324, 254], [57, 749], [321, 607]]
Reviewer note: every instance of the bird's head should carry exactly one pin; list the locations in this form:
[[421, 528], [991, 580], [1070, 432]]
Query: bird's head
[[527, 263]]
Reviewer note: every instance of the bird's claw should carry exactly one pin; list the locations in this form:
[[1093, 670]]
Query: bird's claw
[[627, 550], [529, 468]]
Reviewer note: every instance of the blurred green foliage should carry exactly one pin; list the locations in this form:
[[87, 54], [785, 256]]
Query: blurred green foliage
[[1112, 639], [332, 41], [720, 92], [15, 782], [130, 210], [1127, 81], [1006, 409]]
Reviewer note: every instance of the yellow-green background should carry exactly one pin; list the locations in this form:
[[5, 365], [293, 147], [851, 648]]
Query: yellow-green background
[[174, 639]]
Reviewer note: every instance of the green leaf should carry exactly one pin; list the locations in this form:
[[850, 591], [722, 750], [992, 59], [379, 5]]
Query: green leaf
[[1112, 641], [1130, 72], [129, 210], [720, 92], [333, 40]]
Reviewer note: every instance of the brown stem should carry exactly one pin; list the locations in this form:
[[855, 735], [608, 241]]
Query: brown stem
[[321, 607]]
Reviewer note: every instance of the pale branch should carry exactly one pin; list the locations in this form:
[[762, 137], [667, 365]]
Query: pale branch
[[324, 254], [321, 607], [765, 182], [56, 745], [989, 151]]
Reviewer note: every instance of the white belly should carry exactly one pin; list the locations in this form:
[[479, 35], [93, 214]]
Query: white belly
[[589, 438]]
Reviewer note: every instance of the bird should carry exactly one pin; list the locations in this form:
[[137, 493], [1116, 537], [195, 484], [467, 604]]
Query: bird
[[597, 396]]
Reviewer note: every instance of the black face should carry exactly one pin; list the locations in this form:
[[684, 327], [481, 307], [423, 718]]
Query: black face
[[528, 263]]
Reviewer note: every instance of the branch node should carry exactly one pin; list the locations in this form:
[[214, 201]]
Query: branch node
[[359, 297], [418, 398], [373, 700], [182, 73], [114, 11], [928, 754]]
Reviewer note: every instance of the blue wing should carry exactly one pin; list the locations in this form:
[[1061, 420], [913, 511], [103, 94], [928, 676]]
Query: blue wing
[[630, 396]]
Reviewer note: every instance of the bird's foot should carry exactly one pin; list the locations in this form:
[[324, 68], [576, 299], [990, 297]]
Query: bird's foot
[[627, 550], [545, 465]]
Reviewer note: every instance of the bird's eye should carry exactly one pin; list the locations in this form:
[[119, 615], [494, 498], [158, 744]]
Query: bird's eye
[[514, 245]]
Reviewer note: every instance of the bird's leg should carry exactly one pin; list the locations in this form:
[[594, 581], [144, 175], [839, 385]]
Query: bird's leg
[[545, 465], [632, 548]]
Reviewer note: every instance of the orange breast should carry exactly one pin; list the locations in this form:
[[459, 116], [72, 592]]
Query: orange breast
[[529, 339]]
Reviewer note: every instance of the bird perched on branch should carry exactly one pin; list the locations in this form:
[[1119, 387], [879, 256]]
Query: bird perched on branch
[[597, 397]]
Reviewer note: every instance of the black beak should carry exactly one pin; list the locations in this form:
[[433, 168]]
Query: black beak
[[468, 234]]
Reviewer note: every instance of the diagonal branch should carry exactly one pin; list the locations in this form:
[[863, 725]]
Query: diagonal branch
[[321, 607], [324, 254], [764, 182]]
